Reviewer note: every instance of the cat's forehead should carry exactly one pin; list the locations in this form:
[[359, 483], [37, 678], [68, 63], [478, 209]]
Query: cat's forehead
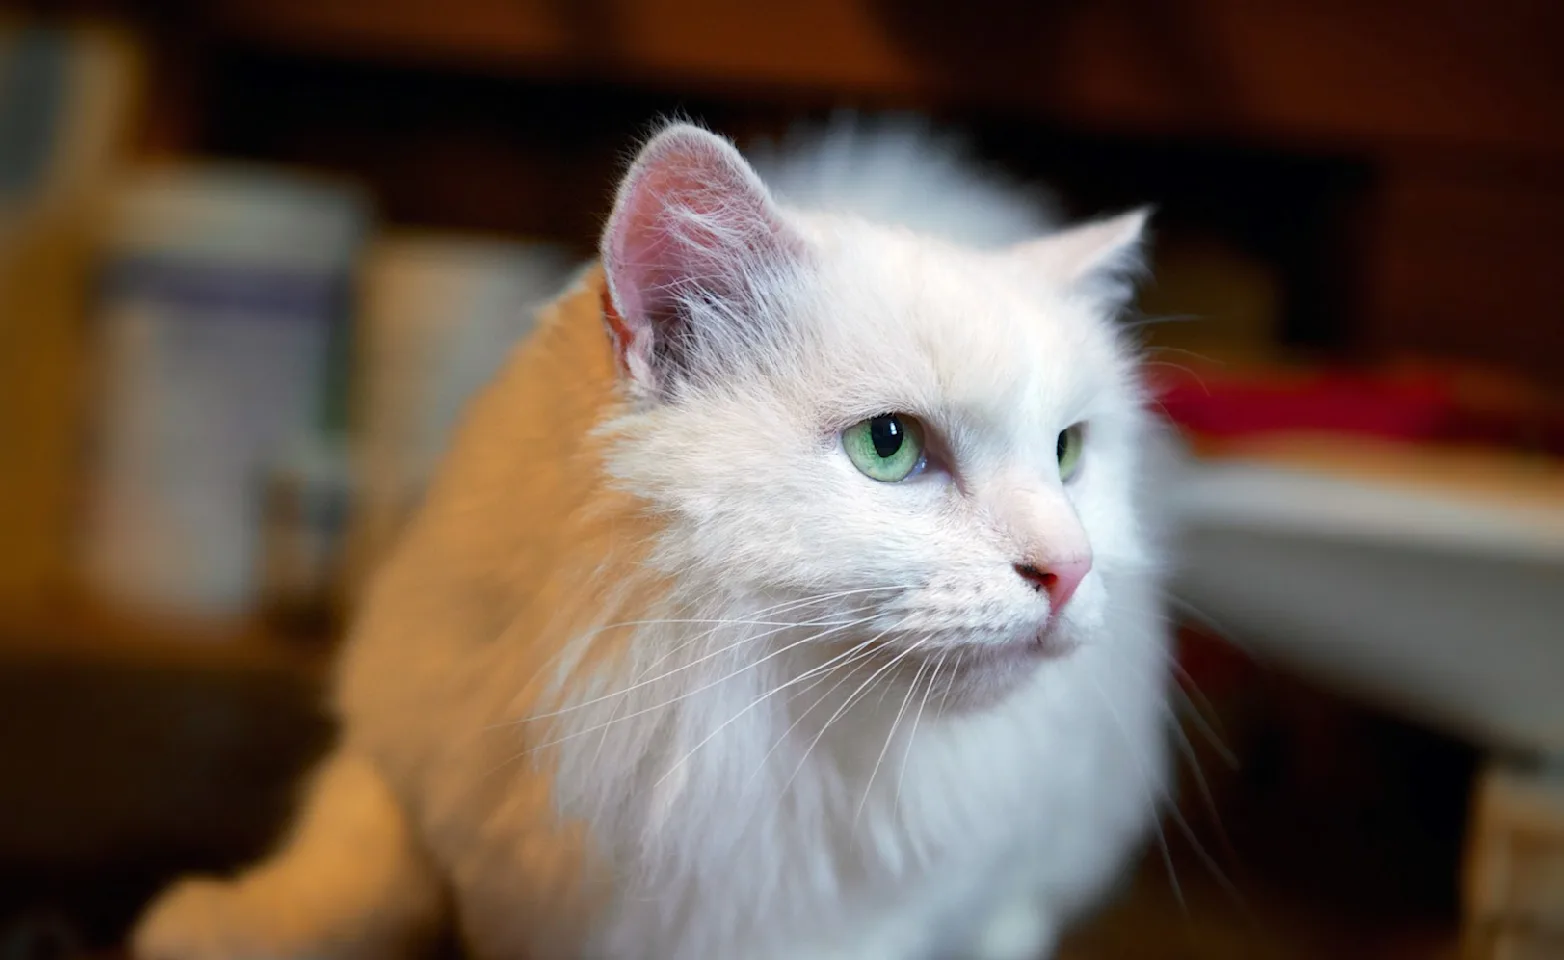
[[955, 327]]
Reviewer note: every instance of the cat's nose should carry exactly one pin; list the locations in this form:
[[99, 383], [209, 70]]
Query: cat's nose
[[1057, 578]]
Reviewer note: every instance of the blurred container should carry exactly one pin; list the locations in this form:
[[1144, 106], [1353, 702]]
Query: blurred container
[[1514, 883], [305, 507], [439, 316], [221, 292]]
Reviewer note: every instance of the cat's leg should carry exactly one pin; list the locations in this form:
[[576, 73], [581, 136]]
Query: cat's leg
[[349, 884]]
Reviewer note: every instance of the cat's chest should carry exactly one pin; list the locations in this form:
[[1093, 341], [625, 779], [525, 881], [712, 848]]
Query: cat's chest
[[1077, 755], [899, 841]]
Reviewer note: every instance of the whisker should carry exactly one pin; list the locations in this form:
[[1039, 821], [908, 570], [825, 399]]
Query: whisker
[[1197, 718], [857, 662], [566, 649], [1141, 322], [913, 733], [707, 686], [1187, 749], [1208, 861], [852, 698], [1207, 621], [718, 623], [781, 607], [1193, 374], [890, 735], [826, 667], [1162, 840], [1202, 713], [1196, 710], [1193, 354], [955, 670], [785, 607], [693, 663]]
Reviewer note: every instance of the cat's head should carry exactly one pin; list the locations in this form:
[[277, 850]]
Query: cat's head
[[868, 423]]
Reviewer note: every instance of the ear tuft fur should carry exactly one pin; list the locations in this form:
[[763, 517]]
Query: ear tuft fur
[[692, 237], [1100, 258]]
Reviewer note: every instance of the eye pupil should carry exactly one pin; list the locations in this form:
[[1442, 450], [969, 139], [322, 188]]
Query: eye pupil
[[887, 434], [1068, 449], [887, 448]]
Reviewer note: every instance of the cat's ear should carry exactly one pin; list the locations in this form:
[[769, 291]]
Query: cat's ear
[[1100, 257], [691, 250]]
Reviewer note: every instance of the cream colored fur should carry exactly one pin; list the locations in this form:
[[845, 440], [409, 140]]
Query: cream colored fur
[[658, 674]]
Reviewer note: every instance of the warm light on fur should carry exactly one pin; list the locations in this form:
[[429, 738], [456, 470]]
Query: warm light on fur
[[658, 673]]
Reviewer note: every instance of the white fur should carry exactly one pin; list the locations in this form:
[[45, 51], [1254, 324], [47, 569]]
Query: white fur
[[898, 171], [739, 799]]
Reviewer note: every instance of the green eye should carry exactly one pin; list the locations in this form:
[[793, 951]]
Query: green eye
[[887, 448], [1068, 449]]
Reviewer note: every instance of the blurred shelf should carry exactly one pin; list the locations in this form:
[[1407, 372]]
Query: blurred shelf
[[1492, 501], [92, 633], [132, 739], [1452, 107], [1340, 75], [1423, 580]]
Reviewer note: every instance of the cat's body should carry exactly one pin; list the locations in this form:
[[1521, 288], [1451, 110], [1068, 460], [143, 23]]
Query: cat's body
[[657, 674]]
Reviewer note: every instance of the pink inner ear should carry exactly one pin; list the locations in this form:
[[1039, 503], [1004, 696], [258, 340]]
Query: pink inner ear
[[690, 214], [661, 232]]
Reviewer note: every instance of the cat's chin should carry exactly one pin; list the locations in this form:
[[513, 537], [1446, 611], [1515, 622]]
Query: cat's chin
[[986, 673]]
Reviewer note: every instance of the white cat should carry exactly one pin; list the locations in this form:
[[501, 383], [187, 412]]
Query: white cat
[[810, 611]]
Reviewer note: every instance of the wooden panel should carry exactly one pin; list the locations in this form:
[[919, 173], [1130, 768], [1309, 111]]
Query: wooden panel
[[46, 245], [128, 737], [1333, 72], [1464, 261]]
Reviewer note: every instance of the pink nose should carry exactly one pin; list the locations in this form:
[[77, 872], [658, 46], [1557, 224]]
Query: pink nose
[[1058, 579]]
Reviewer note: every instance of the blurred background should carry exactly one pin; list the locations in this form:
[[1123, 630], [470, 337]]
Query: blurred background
[[255, 254]]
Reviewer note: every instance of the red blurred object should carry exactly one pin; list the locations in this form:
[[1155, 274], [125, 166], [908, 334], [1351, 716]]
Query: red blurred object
[[1422, 402]]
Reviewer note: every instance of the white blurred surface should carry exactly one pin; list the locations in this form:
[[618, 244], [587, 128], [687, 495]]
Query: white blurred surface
[[439, 315], [1444, 607]]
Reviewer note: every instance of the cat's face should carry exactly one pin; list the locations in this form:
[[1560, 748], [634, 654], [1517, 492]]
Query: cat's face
[[921, 448]]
